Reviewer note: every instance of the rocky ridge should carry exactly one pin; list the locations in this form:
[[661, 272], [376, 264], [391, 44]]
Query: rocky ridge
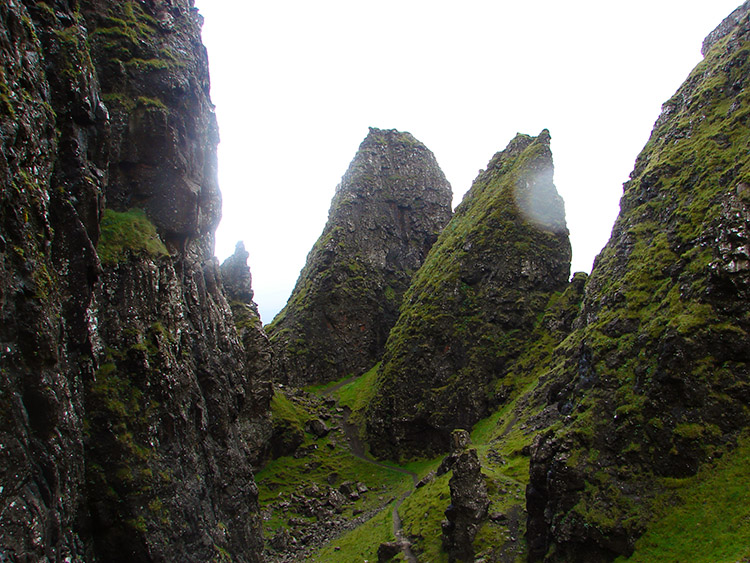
[[473, 305], [654, 380], [469, 501], [257, 426], [387, 212]]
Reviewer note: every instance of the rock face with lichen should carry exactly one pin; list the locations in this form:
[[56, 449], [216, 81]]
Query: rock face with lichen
[[257, 427], [473, 305], [125, 387], [468, 508], [654, 380], [387, 212]]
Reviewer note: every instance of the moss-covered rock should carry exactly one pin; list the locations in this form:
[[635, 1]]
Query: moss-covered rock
[[126, 392], [155, 87], [257, 426], [473, 305], [655, 378], [386, 213]]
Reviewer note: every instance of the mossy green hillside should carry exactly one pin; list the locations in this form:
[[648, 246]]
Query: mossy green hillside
[[361, 544], [128, 233], [472, 305], [325, 462], [670, 283], [421, 515], [502, 442], [423, 512], [705, 518], [358, 394], [288, 423], [652, 382]]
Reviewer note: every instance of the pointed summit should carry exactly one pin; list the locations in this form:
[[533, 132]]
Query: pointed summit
[[386, 213], [473, 305]]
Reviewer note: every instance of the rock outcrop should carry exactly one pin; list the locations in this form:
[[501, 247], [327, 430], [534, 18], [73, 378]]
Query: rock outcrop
[[468, 508], [473, 305], [387, 212], [125, 387], [655, 379], [257, 426]]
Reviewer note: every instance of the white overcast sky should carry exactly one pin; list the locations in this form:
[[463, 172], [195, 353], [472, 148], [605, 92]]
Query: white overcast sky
[[296, 85]]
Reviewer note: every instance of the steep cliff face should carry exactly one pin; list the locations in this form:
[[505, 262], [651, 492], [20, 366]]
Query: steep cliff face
[[257, 426], [126, 389], [52, 167], [473, 305], [386, 214], [655, 378]]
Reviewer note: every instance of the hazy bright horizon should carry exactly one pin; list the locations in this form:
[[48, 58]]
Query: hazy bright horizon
[[297, 84]]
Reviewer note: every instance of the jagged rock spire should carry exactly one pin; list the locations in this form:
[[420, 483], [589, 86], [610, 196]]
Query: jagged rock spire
[[473, 304], [386, 213]]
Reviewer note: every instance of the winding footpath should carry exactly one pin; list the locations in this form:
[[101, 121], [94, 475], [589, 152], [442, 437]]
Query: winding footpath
[[357, 449]]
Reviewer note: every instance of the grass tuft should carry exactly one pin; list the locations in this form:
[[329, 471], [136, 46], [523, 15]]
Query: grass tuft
[[128, 233]]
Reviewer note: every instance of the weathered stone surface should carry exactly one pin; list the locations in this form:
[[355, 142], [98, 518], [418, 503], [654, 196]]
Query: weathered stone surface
[[317, 427], [50, 191], [473, 305], [460, 440], [125, 387], [386, 214], [427, 479], [235, 274], [257, 427], [388, 550], [656, 373], [468, 509]]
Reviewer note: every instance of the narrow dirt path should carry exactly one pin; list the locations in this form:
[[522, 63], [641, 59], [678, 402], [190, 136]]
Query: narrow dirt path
[[357, 448], [398, 531], [331, 390], [508, 427], [510, 551]]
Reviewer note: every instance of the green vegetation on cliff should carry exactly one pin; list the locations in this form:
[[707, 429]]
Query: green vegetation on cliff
[[473, 305], [128, 233], [655, 379], [122, 466], [705, 518]]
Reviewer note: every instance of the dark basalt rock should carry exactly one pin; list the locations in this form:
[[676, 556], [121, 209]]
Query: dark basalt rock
[[650, 381], [317, 427], [459, 441], [235, 274], [126, 390], [387, 212], [473, 304], [468, 508], [257, 427], [388, 550], [53, 158]]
